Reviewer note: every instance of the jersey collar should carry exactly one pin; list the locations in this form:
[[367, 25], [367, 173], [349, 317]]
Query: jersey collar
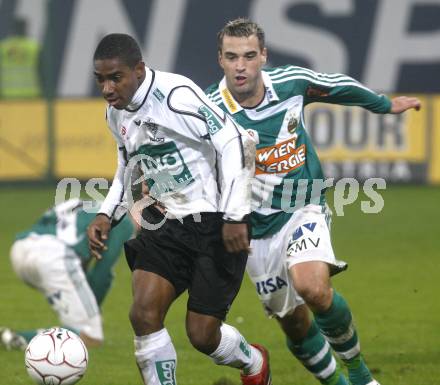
[[271, 95], [227, 98], [142, 92], [233, 106]]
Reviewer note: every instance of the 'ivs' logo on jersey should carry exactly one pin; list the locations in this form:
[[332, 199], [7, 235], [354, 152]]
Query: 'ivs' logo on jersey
[[214, 125], [166, 371], [164, 167]]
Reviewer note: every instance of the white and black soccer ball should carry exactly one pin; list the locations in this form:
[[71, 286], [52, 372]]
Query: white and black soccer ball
[[56, 356]]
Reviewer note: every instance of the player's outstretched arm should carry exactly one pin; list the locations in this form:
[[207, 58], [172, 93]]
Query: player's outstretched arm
[[400, 104], [98, 232]]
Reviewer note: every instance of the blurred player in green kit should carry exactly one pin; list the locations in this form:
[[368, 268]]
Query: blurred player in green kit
[[53, 257]]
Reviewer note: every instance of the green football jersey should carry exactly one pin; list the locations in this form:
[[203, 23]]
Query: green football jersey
[[68, 222], [288, 171]]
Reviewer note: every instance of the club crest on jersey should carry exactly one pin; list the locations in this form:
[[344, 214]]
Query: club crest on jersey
[[151, 128], [292, 118], [123, 130]]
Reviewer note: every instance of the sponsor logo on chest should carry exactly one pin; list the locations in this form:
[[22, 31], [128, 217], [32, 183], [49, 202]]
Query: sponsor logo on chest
[[282, 157], [165, 165]]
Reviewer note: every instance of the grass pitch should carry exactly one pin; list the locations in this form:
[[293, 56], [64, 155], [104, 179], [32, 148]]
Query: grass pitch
[[392, 285]]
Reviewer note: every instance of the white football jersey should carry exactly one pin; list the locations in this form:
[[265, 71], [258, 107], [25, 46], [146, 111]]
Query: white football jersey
[[193, 156]]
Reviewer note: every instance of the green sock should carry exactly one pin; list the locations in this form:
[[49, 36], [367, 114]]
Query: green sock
[[358, 372], [29, 334], [337, 325], [315, 354]]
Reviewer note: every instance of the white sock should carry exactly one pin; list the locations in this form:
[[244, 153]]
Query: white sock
[[234, 351], [156, 358]]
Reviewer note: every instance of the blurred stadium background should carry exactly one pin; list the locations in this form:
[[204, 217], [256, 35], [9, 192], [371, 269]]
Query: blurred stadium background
[[391, 46]]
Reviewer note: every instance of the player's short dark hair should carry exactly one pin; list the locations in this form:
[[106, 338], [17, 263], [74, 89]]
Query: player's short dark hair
[[121, 46], [241, 27]]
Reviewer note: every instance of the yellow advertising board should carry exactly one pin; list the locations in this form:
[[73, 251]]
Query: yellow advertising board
[[340, 133], [349, 140], [23, 140], [434, 169], [353, 142], [84, 145]]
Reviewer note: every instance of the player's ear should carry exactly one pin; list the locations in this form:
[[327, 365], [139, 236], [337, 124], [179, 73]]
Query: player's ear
[[264, 56], [219, 58], [140, 70]]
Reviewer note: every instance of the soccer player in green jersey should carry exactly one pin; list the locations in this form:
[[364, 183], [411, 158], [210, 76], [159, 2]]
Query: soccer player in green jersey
[[53, 257], [292, 258]]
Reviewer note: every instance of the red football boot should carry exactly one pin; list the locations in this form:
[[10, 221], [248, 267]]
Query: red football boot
[[262, 378]]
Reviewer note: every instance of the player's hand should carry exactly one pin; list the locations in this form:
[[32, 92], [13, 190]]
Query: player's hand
[[98, 233], [400, 104], [146, 201], [235, 237]]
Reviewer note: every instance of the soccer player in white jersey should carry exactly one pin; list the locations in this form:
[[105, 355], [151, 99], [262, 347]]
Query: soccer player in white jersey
[[184, 143], [292, 258], [53, 257]]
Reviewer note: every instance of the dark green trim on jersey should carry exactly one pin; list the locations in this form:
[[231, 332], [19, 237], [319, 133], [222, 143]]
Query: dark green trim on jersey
[[262, 225], [183, 112]]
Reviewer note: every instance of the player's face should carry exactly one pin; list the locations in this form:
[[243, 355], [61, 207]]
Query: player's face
[[242, 59], [117, 81]]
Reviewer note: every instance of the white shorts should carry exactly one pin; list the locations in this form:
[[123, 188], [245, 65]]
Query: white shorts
[[45, 263], [305, 237]]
